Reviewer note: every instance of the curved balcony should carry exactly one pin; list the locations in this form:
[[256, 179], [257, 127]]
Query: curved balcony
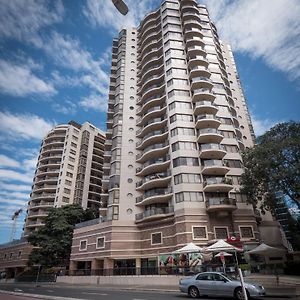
[[203, 94], [201, 82], [151, 17], [212, 151], [153, 112], [52, 150], [46, 171], [205, 107], [153, 90], [154, 165], [196, 61], [196, 41], [154, 180], [220, 204], [193, 51], [44, 188], [217, 184], [207, 121], [34, 224], [156, 100], [159, 195], [156, 27], [150, 37], [241, 144], [152, 125], [156, 78], [55, 136], [153, 137], [42, 196], [43, 180], [194, 23], [154, 213], [214, 167], [191, 13], [151, 64], [151, 52], [53, 143], [40, 204], [155, 43], [37, 214], [158, 68], [183, 3], [209, 136], [153, 151], [199, 71], [44, 157], [193, 32]]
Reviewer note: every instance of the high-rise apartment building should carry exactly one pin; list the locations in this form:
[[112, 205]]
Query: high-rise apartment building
[[176, 125], [69, 170]]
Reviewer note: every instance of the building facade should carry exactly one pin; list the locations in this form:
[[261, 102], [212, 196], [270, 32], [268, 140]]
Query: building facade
[[69, 171], [177, 122]]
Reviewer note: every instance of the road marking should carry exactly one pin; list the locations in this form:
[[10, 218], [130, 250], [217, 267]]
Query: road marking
[[18, 290], [50, 291], [138, 299], [100, 294]]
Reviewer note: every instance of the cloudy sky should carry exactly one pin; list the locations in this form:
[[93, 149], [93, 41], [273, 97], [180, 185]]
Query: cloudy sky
[[54, 67]]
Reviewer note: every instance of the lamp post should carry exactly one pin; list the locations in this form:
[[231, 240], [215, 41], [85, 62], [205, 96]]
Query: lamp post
[[120, 6]]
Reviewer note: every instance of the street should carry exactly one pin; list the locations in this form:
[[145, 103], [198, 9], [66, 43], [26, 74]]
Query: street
[[91, 293]]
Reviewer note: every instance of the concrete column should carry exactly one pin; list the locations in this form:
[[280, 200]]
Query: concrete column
[[138, 266], [108, 266], [72, 267], [94, 266]]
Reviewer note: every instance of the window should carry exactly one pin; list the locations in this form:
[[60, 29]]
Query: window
[[181, 117], [189, 197], [71, 167], [187, 178], [72, 151], [67, 191], [182, 131], [233, 163], [183, 146], [156, 238], [178, 104], [115, 212], [68, 174], [66, 199], [199, 232], [68, 182], [71, 159], [19, 253], [221, 232], [100, 243], [83, 245], [74, 137], [185, 161], [246, 232], [73, 145], [239, 197]]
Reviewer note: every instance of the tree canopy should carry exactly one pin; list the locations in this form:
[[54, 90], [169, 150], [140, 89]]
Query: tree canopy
[[54, 240], [273, 165]]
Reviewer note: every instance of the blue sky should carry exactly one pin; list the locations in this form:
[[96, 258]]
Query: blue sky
[[54, 67]]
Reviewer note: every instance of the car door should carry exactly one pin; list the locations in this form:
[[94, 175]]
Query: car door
[[205, 284], [223, 286]]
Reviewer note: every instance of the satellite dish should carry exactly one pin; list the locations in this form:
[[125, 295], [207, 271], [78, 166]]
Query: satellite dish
[[121, 6]]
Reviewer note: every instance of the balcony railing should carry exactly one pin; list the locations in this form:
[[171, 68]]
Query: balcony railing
[[212, 147], [153, 162], [217, 180], [153, 177], [154, 211], [152, 147], [213, 163], [152, 193], [220, 201], [207, 117], [209, 130]]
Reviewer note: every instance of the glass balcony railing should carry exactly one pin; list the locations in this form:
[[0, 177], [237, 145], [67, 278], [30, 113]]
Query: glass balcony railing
[[152, 133], [217, 180], [152, 147], [209, 130], [152, 193], [153, 212], [153, 177], [214, 163], [153, 162], [220, 201], [212, 147], [207, 117]]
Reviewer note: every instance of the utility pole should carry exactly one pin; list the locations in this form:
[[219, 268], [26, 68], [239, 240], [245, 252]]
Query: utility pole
[[14, 225]]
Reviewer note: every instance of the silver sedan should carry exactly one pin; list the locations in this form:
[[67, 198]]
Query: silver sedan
[[218, 284]]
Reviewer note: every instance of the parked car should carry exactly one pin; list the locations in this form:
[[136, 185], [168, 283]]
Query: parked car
[[218, 284]]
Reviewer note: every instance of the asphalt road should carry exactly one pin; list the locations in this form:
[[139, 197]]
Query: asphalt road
[[93, 293]]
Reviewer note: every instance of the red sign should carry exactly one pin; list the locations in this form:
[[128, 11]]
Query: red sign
[[222, 257], [233, 239]]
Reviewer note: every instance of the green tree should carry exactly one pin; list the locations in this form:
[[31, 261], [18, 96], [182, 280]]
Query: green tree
[[273, 165], [54, 240]]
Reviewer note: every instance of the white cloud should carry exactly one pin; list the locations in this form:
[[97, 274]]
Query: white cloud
[[6, 195], [10, 175], [95, 102], [22, 20], [14, 187], [24, 126], [6, 161], [68, 107], [261, 126], [104, 14], [265, 29], [18, 80]]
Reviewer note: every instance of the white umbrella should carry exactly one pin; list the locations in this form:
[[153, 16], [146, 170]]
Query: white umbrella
[[221, 245], [189, 248], [265, 250], [223, 253]]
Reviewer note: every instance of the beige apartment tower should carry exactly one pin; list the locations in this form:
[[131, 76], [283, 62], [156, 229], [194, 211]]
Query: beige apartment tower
[[177, 122], [69, 170]]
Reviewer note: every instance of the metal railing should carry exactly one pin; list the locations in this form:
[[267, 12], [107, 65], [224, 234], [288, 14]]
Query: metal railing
[[154, 212]]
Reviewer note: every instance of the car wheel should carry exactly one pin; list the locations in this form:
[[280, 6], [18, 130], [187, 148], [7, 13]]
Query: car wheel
[[193, 292], [239, 294]]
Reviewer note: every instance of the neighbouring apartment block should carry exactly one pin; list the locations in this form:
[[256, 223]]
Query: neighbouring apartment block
[[177, 122], [68, 171]]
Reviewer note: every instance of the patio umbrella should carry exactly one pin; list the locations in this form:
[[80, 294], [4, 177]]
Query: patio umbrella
[[223, 253], [266, 250], [189, 248], [221, 245]]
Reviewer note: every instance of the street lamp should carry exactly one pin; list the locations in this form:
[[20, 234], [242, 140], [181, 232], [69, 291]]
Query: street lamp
[[121, 6]]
